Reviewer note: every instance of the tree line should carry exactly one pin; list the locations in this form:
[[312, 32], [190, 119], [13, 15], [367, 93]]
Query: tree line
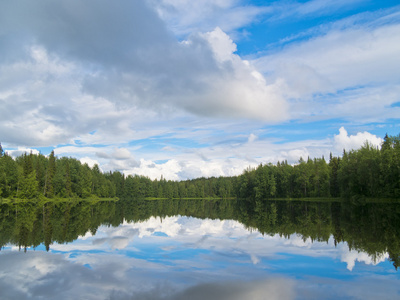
[[366, 172], [32, 176]]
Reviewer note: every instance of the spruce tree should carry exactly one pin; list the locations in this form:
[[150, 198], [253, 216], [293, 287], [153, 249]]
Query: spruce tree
[[50, 172], [68, 184]]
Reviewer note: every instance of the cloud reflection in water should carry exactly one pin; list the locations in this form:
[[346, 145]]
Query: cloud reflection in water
[[189, 258]]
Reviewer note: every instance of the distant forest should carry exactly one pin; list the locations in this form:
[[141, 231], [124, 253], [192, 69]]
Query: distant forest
[[367, 172]]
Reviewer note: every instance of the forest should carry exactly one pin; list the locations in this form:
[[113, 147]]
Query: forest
[[366, 172]]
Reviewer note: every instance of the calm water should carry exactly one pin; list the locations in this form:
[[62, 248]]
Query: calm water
[[200, 249]]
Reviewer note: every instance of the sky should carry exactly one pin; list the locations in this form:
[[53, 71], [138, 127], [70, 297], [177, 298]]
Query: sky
[[184, 89], [188, 258]]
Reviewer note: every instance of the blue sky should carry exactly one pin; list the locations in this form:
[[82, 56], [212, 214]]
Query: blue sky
[[186, 89]]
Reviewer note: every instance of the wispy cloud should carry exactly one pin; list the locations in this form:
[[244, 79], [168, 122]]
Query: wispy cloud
[[313, 8], [349, 73], [186, 17]]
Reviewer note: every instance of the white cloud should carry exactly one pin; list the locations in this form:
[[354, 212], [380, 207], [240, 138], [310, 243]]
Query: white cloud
[[217, 158], [350, 258], [29, 116], [21, 151], [245, 258], [235, 89], [352, 142], [168, 170], [185, 16], [89, 161], [311, 8], [168, 148], [39, 275], [71, 80], [121, 153], [345, 72], [221, 44], [252, 138]]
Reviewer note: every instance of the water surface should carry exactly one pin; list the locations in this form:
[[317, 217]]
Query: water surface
[[199, 249]]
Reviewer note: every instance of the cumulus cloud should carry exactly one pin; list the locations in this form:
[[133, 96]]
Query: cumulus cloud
[[351, 257], [235, 89], [82, 69], [352, 142], [121, 153], [89, 161]]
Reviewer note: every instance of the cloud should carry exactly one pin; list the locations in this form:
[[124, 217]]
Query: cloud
[[275, 289], [89, 161], [186, 17], [146, 265], [311, 9], [21, 151], [352, 142], [82, 69], [216, 158], [121, 153], [235, 89], [168, 170], [38, 275], [350, 258], [252, 138], [74, 75], [348, 70]]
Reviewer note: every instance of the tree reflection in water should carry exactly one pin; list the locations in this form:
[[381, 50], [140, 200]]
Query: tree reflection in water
[[373, 228]]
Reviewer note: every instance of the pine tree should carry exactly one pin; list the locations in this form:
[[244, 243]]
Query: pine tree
[[40, 164], [50, 172], [68, 185], [28, 187]]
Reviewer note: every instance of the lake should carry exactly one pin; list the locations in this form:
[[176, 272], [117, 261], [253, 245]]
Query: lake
[[200, 249]]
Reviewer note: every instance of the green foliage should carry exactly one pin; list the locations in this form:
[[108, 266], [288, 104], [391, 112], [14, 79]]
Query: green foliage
[[35, 176], [334, 165], [9, 176], [366, 172], [28, 186], [50, 174]]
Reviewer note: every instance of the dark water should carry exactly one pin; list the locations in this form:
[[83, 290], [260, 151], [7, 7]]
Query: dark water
[[200, 249]]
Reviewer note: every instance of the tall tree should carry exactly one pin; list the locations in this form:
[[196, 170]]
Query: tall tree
[[334, 164], [28, 186], [68, 184], [50, 173]]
